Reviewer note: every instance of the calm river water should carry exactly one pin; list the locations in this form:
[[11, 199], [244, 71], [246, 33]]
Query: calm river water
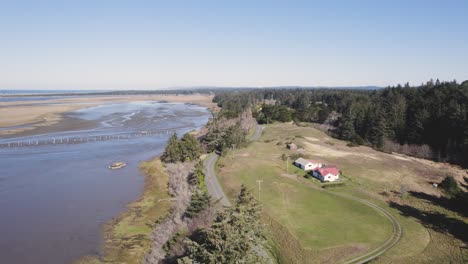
[[54, 199]]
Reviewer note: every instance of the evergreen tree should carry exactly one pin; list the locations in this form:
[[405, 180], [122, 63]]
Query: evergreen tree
[[189, 147], [377, 131], [346, 128], [186, 149], [172, 151], [200, 201], [232, 238]]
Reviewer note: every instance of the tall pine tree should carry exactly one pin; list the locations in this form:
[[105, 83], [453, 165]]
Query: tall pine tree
[[233, 237]]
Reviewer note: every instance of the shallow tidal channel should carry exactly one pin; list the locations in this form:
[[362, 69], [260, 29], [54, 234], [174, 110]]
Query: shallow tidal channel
[[55, 198]]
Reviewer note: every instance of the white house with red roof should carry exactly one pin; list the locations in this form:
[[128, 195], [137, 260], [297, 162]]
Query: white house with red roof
[[307, 165], [327, 173]]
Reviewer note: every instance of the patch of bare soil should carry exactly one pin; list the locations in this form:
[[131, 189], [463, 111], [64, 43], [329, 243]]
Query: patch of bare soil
[[400, 157], [289, 176], [337, 151]]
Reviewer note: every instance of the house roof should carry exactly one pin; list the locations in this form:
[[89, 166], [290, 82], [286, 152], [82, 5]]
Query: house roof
[[328, 170], [314, 161], [302, 161]]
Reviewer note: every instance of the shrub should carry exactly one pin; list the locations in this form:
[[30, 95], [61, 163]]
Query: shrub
[[197, 177], [284, 157], [450, 186], [352, 144]]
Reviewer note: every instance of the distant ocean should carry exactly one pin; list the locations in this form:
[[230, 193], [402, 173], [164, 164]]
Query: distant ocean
[[42, 92]]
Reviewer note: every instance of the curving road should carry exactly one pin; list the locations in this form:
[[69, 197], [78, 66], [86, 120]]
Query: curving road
[[212, 184], [257, 134], [214, 188]]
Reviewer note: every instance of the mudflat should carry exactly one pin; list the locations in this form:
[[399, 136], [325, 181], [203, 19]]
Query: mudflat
[[19, 118], [56, 198]]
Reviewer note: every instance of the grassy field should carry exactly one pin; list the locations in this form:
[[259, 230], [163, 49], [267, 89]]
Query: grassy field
[[310, 226], [324, 224], [126, 237]]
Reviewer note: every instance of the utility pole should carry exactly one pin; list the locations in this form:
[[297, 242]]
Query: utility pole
[[259, 188]]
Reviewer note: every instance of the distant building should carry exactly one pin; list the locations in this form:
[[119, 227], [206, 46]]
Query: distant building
[[307, 165], [327, 173], [292, 146]]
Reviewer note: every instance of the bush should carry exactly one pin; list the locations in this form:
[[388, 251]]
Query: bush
[[171, 242], [284, 157], [197, 177], [450, 186]]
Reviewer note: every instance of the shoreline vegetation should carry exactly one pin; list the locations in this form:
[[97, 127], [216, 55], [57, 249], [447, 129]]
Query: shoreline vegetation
[[126, 237]]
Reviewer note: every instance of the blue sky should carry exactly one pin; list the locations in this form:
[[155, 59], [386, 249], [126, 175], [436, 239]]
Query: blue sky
[[159, 44]]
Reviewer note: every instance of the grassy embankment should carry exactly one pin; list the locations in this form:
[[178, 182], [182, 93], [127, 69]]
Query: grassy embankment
[[126, 237], [310, 226]]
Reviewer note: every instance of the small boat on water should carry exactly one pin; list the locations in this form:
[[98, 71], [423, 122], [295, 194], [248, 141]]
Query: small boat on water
[[117, 165]]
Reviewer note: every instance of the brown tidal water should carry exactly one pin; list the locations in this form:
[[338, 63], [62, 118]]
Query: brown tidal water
[[54, 199]]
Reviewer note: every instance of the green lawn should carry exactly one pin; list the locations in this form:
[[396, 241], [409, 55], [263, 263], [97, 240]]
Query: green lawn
[[318, 219], [320, 222]]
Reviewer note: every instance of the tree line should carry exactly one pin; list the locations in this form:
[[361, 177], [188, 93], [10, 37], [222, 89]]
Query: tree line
[[429, 120]]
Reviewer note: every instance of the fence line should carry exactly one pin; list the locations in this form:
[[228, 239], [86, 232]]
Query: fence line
[[83, 139]]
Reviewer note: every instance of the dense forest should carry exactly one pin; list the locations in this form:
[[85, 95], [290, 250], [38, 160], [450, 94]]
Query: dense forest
[[428, 121]]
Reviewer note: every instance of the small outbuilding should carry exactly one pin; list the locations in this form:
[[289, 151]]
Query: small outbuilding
[[307, 165], [327, 173], [292, 146]]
